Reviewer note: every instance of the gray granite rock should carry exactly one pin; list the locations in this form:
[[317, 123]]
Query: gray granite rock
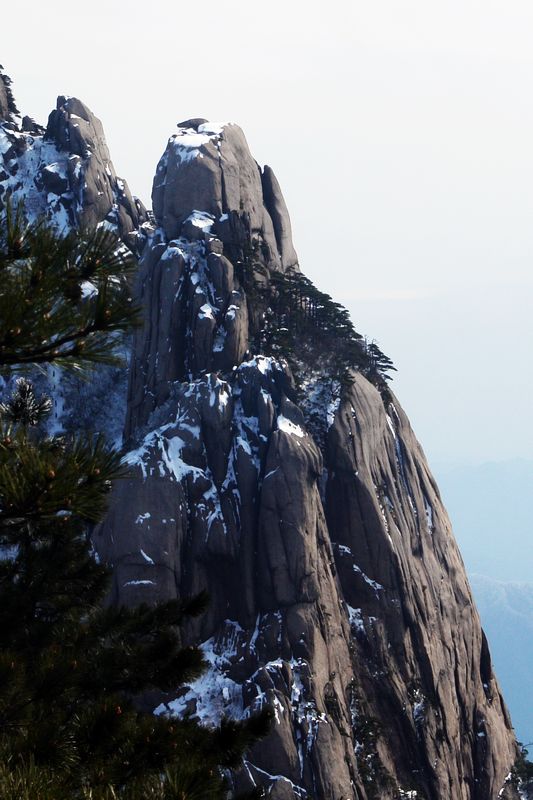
[[4, 109], [209, 167], [64, 172], [338, 595], [8, 108], [192, 123], [74, 129], [277, 209]]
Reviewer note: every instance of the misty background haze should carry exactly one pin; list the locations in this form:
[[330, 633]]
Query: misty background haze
[[403, 129]]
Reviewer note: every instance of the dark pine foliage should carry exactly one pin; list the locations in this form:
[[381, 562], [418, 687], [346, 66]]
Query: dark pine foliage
[[12, 107], [70, 665], [290, 318], [522, 772], [64, 299], [295, 320]]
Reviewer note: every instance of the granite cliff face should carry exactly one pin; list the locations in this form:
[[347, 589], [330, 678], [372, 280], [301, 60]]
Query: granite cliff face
[[338, 595]]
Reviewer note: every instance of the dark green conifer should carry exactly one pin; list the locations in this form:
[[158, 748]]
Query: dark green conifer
[[63, 299], [312, 332]]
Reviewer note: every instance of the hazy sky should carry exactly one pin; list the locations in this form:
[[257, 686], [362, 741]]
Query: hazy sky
[[402, 136]]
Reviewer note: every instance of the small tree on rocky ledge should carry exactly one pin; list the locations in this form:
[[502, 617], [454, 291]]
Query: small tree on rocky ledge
[[70, 667], [312, 331]]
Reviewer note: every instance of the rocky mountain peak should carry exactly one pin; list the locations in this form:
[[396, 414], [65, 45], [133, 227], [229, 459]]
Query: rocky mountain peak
[[208, 168], [8, 108], [270, 465]]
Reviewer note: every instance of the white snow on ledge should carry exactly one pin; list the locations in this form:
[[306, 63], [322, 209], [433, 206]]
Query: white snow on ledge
[[147, 557], [374, 584], [298, 791], [188, 141], [213, 128], [356, 619], [264, 364], [139, 583], [206, 312], [289, 427], [201, 220], [88, 289], [187, 144]]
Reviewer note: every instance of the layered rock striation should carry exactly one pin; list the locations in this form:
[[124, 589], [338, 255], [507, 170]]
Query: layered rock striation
[[338, 595]]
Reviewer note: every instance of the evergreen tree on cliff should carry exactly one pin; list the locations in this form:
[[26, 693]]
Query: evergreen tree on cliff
[[70, 667]]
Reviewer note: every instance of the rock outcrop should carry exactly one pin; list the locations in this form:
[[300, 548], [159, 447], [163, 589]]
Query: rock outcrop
[[63, 172], [338, 595], [4, 111], [210, 168]]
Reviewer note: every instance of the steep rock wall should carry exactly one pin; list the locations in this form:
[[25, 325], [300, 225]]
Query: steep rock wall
[[337, 592]]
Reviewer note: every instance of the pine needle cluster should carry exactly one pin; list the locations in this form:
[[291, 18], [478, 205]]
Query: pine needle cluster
[[64, 299]]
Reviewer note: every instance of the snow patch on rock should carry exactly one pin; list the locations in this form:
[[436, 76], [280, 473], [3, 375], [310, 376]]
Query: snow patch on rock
[[289, 427], [213, 695]]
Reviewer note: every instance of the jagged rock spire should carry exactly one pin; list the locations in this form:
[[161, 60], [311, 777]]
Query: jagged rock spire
[[208, 167], [8, 108]]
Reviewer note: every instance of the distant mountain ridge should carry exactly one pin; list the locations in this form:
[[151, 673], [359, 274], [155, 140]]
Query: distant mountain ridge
[[490, 508], [506, 610]]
